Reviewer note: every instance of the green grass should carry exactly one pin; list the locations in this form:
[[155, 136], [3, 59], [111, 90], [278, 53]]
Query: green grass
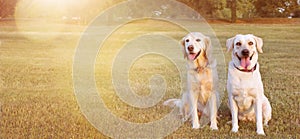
[[36, 87]]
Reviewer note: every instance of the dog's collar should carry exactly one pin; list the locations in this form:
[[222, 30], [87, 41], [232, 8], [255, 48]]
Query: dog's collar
[[246, 70], [200, 68]]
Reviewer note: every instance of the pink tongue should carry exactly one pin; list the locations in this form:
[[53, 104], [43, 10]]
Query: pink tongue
[[192, 56], [245, 62]]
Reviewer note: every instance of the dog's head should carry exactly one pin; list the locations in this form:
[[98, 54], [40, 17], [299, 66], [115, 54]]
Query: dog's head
[[245, 50], [194, 45]]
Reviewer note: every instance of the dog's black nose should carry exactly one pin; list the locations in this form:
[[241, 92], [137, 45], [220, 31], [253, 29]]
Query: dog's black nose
[[245, 52], [191, 48]]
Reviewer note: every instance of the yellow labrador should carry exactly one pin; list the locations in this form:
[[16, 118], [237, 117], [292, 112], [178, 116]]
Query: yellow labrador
[[245, 88], [201, 81]]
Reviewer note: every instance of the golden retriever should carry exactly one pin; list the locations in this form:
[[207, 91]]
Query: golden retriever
[[245, 89], [201, 81]]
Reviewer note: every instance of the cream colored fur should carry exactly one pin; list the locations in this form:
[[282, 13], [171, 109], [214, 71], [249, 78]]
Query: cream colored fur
[[201, 92]]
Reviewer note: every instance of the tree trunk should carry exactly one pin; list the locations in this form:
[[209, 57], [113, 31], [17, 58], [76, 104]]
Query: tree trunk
[[233, 11]]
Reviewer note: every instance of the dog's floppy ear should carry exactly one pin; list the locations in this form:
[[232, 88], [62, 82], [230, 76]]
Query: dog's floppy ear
[[259, 43], [207, 42], [182, 42], [208, 50], [229, 44]]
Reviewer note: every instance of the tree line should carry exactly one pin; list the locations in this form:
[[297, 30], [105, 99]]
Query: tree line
[[219, 9], [228, 9]]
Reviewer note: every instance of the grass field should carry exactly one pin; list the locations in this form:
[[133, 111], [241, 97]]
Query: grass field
[[37, 97]]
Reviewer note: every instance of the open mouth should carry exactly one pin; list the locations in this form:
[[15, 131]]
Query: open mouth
[[193, 56], [244, 61], [241, 58]]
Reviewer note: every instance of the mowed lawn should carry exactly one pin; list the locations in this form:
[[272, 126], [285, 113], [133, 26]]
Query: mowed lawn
[[37, 97]]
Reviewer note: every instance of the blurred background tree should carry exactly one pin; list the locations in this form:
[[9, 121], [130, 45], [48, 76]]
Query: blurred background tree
[[7, 8], [275, 8], [231, 9]]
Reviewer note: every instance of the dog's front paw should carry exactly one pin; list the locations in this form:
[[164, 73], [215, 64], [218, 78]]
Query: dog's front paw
[[235, 129], [229, 122], [266, 123], [213, 127], [260, 132], [196, 126], [184, 119]]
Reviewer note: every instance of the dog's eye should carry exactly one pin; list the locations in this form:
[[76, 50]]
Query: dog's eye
[[250, 43], [187, 40], [238, 44], [198, 40]]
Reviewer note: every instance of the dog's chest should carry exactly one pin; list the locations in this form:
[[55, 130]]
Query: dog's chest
[[197, 77], [245, 88], [244, 80], [244, 97]]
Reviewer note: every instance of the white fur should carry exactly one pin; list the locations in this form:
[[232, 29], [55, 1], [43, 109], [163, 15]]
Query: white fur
[[245, 89]]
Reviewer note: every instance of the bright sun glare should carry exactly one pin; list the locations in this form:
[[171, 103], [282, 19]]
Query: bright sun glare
[[46, 8], [44, 16]]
